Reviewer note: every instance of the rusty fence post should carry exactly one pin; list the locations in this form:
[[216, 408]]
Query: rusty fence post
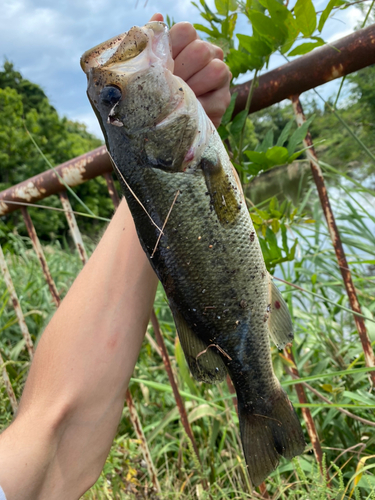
[[75, 232], [172, 381], [112, 189], [8, 385], [143, 442], [335, 237], [16, 304], [39, 251], [310, 425]]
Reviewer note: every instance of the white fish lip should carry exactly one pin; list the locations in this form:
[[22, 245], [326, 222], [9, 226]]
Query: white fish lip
[[132, 50]]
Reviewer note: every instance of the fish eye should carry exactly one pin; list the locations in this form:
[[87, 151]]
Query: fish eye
[[110, 95]]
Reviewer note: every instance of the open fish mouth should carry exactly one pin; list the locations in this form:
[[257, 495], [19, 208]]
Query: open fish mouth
[[132, 51], [131, 86]]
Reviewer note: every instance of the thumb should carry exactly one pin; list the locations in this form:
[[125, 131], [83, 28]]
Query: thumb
[[157, 17]]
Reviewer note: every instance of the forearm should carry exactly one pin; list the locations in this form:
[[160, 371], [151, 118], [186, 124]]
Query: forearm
[[71, 401]]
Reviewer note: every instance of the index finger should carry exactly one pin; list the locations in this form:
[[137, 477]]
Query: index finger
[[157, 17], [181, 35]]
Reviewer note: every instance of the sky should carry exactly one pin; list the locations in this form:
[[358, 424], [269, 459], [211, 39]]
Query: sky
[[45, 40]]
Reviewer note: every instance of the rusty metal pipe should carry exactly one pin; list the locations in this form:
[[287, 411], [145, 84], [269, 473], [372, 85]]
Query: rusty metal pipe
[[349, 54], [74, 172], [335, 237]]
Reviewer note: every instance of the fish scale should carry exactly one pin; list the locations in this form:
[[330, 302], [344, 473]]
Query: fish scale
[[208, 258]]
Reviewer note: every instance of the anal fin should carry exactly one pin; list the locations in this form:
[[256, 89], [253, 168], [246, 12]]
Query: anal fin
[[279, 321], [204, 362]]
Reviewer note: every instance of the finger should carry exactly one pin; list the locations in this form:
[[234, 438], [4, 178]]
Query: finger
[[157, 17], [194, 57], [215, 104], [213, 76], [181, 34]]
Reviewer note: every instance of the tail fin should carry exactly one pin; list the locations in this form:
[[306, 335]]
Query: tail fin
[[267, 436]]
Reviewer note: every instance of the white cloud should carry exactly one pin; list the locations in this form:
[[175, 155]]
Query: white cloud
[[45, 39], [345, 22]]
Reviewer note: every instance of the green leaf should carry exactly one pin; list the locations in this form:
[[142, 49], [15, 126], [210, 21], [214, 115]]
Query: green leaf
[[238, 123], [326, 12], [265, 250], [299, 135], [283, 19], [223, 132], [256, 157], [292, 252], [254, 169], [277, 155], [275, 225], [351, 372], [254, 46], [266, 27], [210, 16], [305, 16], [296, 155], [224, 6], [284, 238], [272, 204], [240, 62], [229, 111], [256, 219], [212, 32], [267, 142], [304, 48], [285, 133], [275, 251], [232, 20], [201, 411]]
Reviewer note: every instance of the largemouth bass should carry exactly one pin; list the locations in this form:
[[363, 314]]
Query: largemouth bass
[[195, 228]]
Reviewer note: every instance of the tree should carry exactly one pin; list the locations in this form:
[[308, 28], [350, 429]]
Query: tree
[[24, 106]]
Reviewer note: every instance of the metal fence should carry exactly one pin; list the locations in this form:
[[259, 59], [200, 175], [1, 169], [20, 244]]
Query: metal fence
[[349, 54]]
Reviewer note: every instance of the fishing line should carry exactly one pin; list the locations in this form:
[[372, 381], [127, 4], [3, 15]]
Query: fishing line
[[47, 207], [324, 299], [165, 223], [61, 179], [133, 193]]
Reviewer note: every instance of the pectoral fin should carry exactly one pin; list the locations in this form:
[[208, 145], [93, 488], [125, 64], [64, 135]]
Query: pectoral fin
[[279, 320], [221, 190], [204, 362]]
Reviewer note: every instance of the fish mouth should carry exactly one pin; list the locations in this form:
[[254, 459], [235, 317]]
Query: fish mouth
[[132, 51]]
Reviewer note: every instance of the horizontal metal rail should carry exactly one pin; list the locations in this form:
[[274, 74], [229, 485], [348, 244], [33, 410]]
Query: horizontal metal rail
[[349, 54], [73, 172], [345, 56]]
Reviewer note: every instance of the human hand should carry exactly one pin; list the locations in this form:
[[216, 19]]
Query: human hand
[[200, 64]]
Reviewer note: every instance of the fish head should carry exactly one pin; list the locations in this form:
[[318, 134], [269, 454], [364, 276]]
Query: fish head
[[137, 98]]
